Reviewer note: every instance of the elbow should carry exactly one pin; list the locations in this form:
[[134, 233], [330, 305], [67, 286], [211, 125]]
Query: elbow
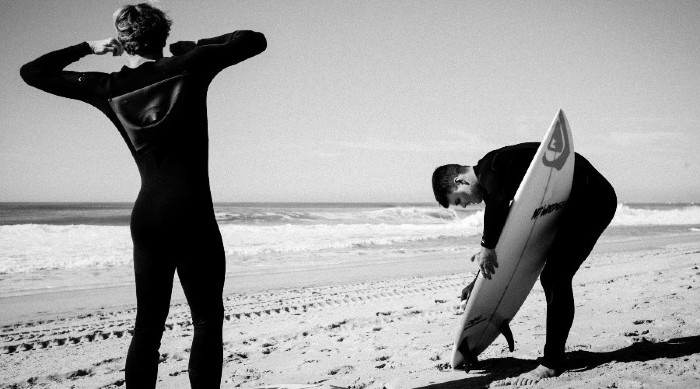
[[263, 43], [29, 73], [255, 41], [258, 42]]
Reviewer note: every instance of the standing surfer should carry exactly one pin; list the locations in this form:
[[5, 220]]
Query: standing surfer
[[158, 105], [589, 210]]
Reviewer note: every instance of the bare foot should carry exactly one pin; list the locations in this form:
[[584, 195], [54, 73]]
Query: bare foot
[[534, 376]]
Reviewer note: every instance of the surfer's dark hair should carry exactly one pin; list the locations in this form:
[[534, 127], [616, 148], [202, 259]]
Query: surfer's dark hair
[[444, 182], [141, 28]]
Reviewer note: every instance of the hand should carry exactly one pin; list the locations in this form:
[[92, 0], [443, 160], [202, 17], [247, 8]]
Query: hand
[[466, 292], [104, 46], [487, 260], [182, 47]]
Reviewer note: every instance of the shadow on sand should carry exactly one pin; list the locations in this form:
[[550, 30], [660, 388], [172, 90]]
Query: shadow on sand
[[500, 368]]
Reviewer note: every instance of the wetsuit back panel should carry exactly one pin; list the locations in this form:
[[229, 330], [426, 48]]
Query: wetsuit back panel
[[145, 112]]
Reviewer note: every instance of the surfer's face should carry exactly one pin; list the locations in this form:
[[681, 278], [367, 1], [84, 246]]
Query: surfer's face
[[468, 191], [464, 196]]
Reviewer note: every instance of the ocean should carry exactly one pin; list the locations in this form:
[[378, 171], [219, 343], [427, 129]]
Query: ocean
[[59, 246]]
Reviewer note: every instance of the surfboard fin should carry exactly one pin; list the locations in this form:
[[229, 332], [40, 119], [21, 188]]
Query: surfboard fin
[[504, 329]]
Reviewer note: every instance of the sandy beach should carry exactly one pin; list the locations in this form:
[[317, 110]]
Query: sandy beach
[[387, 325]]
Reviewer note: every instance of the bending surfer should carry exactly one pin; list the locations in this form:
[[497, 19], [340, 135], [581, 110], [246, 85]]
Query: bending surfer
[[588, 212], [158, 105]]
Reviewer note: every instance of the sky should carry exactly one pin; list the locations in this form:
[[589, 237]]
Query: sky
[[359, 101]]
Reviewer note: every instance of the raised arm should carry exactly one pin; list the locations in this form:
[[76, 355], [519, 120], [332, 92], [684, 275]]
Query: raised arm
[[46, 72], [215, 54]]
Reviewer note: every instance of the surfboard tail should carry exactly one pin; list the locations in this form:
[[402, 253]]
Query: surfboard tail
[[504, 329]]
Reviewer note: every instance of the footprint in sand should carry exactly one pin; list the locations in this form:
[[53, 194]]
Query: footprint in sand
[[9, 349], [27, 346], [636, 333], [79, 373], [337, 325], [116, 384], [237, 356], [269, 344], [60, 341], [346, 369], [247, 375], [443, 366]]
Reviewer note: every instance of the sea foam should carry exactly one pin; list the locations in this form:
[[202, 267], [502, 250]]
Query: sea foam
[[255, 234], [661, 215], [32, 247]]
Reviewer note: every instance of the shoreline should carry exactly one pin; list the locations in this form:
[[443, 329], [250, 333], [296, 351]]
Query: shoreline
[[51, 303]]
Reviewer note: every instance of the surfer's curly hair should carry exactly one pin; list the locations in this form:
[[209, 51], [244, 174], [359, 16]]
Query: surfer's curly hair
[[141, 28], [444, 182]]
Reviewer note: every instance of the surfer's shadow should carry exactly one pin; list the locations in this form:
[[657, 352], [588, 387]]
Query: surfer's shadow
[[488, 371], [501, 369], [640, 351]]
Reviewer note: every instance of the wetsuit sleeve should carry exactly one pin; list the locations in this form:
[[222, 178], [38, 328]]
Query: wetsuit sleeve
[[500, 173], [497, 201], [46, 73], [215, 54]]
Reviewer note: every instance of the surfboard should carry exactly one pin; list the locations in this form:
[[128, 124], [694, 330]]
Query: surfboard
[[526, 236]]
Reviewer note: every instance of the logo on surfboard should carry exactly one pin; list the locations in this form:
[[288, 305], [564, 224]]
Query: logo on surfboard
[[474, 321], [546, 209], [558, 149]]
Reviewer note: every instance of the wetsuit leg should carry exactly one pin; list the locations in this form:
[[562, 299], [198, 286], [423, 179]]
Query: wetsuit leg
[[589, 211], [202, 277], [154, 284]]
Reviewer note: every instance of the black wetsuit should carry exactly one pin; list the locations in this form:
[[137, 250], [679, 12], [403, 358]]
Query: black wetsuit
[[160, 110], [589, 210]]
